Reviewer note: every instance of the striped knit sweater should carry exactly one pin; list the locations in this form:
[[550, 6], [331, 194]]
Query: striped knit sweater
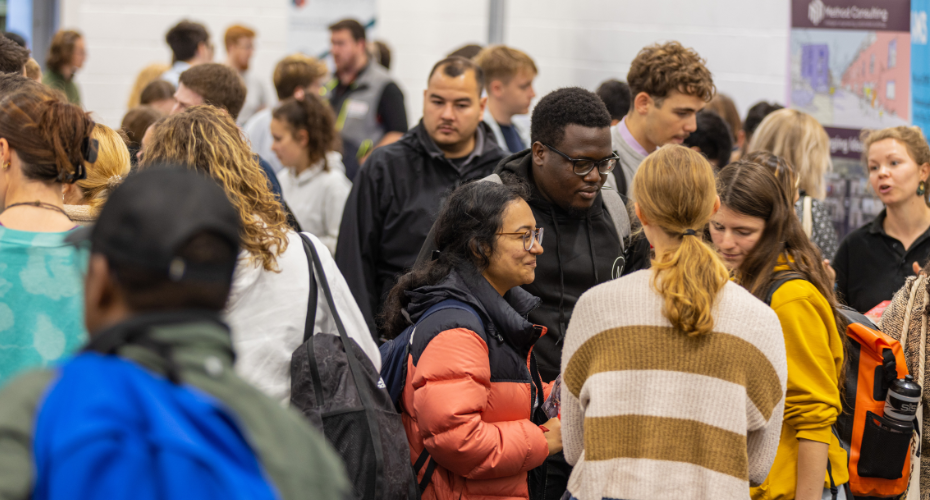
[[648, 412]]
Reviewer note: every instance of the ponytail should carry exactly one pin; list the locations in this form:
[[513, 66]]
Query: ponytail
[[689, 278], [314, 116], [674, 189]]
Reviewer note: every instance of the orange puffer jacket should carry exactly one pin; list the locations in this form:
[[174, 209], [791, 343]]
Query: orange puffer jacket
[[469, 394]]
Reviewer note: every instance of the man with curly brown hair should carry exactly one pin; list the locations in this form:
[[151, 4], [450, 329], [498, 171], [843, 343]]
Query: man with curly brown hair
[[669, 84]]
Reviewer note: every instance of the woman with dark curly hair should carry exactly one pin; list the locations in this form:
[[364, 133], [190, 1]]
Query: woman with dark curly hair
[[268, 302], [473, 395]]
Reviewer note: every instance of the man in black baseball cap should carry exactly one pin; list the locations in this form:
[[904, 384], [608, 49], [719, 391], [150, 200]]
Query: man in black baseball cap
[[153, 402]]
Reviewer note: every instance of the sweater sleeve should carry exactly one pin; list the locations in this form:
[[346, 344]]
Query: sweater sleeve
[[572, 427], [763, 435], [336, 194], [451, 386], [812, 403]]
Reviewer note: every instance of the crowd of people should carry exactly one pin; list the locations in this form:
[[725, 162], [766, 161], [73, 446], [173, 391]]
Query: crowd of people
[[156, 279]]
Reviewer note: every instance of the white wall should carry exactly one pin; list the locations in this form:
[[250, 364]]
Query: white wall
[[574, 42], [123, 36], [583, 42]]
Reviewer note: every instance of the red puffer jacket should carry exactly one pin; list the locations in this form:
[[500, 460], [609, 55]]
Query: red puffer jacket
[[470, 390]]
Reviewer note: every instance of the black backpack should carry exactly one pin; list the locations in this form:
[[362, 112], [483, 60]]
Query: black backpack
[[336, 386]]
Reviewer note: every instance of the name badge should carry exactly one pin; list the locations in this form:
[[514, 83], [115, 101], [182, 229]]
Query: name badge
[[356, 109]]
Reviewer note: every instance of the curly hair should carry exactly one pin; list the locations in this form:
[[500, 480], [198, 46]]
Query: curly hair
[[659, 69], [206, 139], [314, 116], [563, 107]]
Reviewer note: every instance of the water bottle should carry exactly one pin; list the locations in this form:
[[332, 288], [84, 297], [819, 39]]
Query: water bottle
[[901, 404]]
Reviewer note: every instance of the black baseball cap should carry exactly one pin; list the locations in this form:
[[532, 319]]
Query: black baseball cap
[[150, 216]]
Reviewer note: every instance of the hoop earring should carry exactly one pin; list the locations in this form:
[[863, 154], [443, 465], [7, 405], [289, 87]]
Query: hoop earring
[[921, 188]]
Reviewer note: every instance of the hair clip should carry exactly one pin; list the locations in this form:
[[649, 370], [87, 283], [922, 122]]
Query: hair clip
[[89, 149], [689, 232]]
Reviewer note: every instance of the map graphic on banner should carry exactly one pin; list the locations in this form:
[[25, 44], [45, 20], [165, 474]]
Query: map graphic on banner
[[850, 68], [308, 31]]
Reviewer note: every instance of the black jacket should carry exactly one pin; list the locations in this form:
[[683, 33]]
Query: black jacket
[[396, 197], [581, 251]]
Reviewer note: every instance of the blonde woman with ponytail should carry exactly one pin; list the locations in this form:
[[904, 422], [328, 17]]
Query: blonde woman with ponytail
[[84, 199], [673, 377]]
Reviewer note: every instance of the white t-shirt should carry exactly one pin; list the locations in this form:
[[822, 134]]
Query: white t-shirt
[[257, 97], [317, 198], [267, 312]]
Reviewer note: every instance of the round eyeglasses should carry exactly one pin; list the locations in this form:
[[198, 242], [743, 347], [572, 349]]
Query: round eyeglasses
[[584, 166], [530, 238]]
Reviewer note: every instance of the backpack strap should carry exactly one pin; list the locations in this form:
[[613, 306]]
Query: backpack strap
[[312, 298], [780, 279], [356, 369], [613, 202]]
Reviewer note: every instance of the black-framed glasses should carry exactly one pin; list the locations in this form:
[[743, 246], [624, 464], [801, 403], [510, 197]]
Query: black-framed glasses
[[530, 238], [584, 166]]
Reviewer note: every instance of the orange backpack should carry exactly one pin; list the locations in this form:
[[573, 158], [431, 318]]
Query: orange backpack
[[879, 458]]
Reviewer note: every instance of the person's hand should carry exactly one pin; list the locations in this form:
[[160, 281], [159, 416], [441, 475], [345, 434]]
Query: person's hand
[[917, 268], [554, 435], [831, 273]]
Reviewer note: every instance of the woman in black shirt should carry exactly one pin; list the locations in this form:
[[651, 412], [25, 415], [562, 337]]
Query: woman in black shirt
[[873, 261]]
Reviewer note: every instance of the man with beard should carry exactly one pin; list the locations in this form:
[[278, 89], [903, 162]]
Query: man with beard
[[397, 196], [369, 106]]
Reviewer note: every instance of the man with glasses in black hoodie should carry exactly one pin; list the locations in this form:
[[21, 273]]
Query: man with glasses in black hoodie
[[569, 169]]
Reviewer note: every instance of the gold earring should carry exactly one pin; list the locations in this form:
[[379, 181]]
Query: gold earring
[[6, 165]]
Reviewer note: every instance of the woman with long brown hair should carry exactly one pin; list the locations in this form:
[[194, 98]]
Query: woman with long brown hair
[[674, 377], [761, 240], [268, 302]]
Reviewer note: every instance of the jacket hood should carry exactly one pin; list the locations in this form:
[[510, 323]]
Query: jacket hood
[[419, 140], [503, 317]]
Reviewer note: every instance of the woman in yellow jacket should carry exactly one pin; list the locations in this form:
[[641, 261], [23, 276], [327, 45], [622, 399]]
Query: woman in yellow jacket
[[761, 239]]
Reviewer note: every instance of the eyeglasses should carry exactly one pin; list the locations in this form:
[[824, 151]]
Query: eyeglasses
[[530, 238], [584, 166]]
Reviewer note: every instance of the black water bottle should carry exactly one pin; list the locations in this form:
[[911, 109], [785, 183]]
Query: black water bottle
[[902, 403]]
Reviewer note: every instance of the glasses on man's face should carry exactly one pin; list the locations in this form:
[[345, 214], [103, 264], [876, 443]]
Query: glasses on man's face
[[584, 166], [530, 238]]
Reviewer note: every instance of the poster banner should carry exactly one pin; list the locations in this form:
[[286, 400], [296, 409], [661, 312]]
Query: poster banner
[[920, 65], [308, 31], [850, 69]]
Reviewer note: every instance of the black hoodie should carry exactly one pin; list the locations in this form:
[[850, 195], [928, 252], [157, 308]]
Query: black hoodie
[[395, 198], [581, 251]]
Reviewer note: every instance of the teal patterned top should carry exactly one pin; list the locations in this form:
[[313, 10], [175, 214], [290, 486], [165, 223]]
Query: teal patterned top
[[41, 300]]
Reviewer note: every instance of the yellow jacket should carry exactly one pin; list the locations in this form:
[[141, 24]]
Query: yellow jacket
[[815, 360]]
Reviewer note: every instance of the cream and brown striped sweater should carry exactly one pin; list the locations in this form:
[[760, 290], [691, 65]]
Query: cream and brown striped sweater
[[648, 412]]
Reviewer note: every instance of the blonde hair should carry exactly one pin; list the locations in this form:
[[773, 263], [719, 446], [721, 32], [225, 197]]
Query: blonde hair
[[110, 169], [207, 140], [502, 63], [674, 188], [33, 70], [799, 138], [912, 139], [148, 75]]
